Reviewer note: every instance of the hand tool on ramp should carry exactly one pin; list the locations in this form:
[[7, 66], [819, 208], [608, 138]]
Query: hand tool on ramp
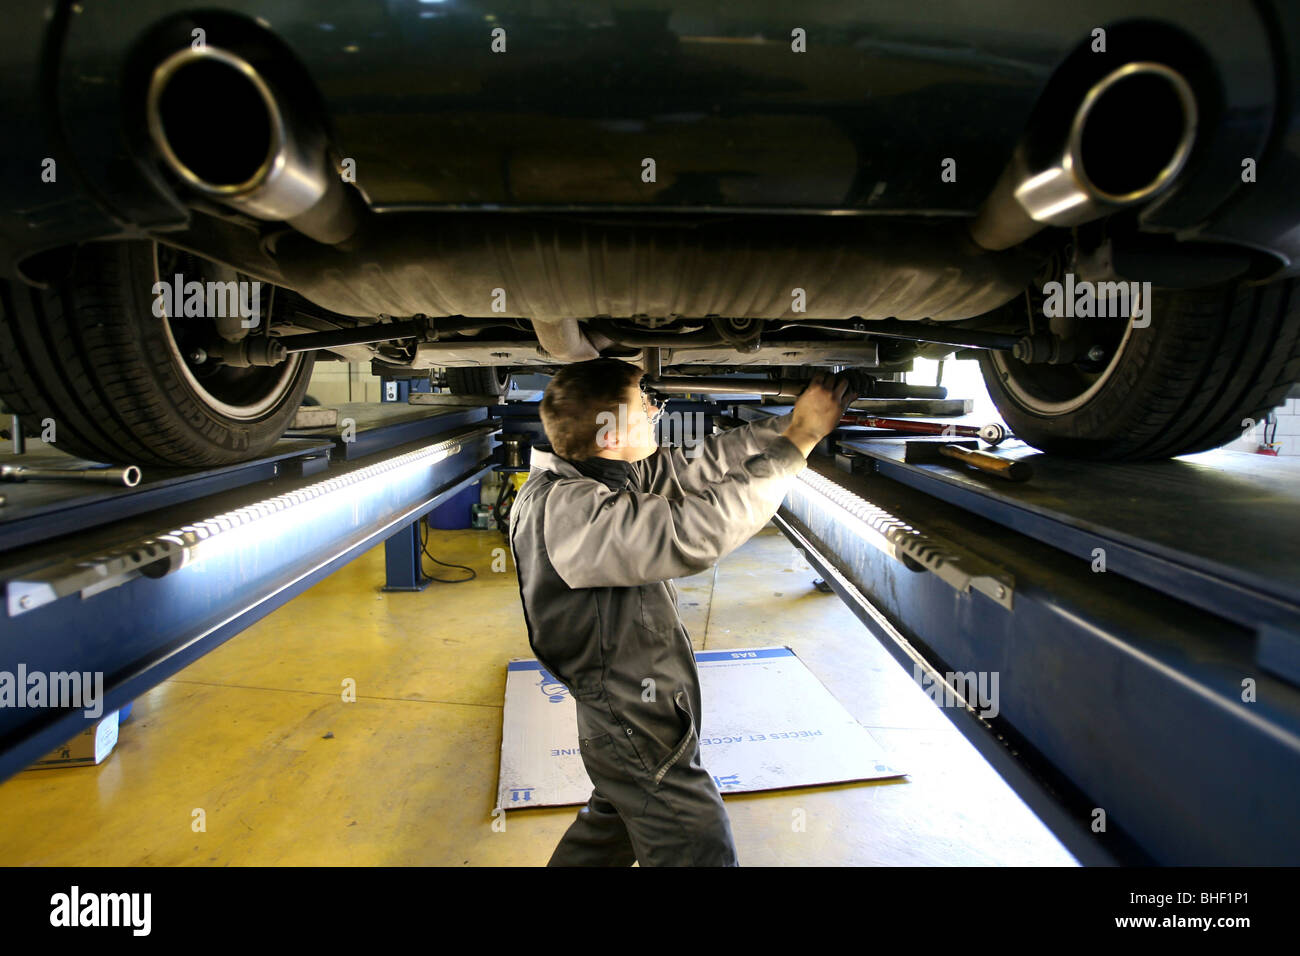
[[992, 433], [128, 476], [943, 453]]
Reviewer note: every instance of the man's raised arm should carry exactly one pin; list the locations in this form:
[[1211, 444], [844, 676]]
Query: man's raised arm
[[605, 538], [670, 470]]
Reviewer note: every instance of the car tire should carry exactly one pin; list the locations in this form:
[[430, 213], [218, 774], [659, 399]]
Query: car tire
[[1206, 367], [89, 357], [480, 380]]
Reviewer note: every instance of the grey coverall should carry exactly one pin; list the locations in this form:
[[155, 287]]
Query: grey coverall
[[596, 544]]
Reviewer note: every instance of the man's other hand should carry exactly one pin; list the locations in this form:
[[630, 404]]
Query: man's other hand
[[818, 410]]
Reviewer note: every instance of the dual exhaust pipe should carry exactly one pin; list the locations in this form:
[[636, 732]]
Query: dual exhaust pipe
[[228, 130]]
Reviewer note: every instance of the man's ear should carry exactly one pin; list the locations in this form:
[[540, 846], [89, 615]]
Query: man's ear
[[607, 434]]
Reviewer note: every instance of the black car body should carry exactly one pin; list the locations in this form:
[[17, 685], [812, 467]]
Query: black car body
[[488, 187]]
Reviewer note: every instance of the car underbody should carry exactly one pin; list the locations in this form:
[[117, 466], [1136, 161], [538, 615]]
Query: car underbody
[[746, 217]]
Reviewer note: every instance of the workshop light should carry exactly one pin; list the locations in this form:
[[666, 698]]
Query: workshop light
[[277, 518]]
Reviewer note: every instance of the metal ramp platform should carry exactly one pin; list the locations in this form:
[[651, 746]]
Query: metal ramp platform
[[137, 583], [1148, 712], [1220, 529]]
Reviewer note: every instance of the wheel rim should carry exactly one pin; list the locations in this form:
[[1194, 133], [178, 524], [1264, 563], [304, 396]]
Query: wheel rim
[[240, 394], [1051, 391]]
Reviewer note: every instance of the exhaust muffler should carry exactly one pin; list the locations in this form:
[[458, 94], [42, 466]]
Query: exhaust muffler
[[224, 128], [1126, 144]]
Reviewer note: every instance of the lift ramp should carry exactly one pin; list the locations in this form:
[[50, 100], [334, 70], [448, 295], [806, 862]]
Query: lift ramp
[[1141, 619], [135, 584]]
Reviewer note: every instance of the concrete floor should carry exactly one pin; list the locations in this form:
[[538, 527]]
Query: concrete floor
[[256, 742]]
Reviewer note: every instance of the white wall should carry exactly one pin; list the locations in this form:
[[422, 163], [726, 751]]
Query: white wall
[[963, 380], [1287, 435], [334, 383]]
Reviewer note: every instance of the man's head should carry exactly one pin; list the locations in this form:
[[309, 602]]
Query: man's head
[[596, 409]]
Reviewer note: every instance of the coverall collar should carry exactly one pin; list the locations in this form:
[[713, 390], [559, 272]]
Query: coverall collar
[[611, 472]]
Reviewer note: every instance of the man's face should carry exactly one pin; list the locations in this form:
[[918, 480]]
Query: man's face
[[629, 434]]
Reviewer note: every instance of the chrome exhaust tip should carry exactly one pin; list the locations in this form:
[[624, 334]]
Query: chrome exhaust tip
[[221, 127], [1127, 144]]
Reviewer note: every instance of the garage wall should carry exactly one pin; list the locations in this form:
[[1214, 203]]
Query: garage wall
[[1287, 436], [333, 383], [963, 380], [1288, 427]]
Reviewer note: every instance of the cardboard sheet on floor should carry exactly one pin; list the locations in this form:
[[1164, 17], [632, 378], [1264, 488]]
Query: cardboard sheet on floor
[[769, 724]]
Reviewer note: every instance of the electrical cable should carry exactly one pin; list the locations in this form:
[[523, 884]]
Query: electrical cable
[[424, 546], [505, 500]]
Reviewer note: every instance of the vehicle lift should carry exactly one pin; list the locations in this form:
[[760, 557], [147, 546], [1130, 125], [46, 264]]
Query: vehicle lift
[[139, 582], [1143, 619]]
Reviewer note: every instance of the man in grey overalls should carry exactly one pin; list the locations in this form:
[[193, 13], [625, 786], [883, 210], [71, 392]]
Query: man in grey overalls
[[603, 524]]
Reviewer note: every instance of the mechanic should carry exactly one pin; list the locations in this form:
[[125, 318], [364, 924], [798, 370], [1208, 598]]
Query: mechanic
[[603, 524]]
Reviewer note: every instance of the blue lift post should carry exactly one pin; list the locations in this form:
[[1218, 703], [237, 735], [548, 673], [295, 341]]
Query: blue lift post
[[403, 560], [139, 599], [362, 430], [404, 550], [1149, 698]]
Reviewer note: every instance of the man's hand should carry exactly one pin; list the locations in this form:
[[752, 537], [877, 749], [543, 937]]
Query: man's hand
[[818, 410]]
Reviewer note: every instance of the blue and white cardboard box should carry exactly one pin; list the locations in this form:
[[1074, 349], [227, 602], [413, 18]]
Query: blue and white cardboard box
[[88, 749], [768, 724]]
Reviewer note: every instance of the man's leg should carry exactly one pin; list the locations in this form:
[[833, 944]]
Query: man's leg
[[596, 838], [673, 811], [684, 822]]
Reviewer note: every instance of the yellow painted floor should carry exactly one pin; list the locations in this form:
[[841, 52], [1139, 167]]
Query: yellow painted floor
[[256, 740]]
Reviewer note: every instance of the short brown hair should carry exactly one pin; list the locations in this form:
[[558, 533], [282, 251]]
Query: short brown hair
[[576, 396]]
